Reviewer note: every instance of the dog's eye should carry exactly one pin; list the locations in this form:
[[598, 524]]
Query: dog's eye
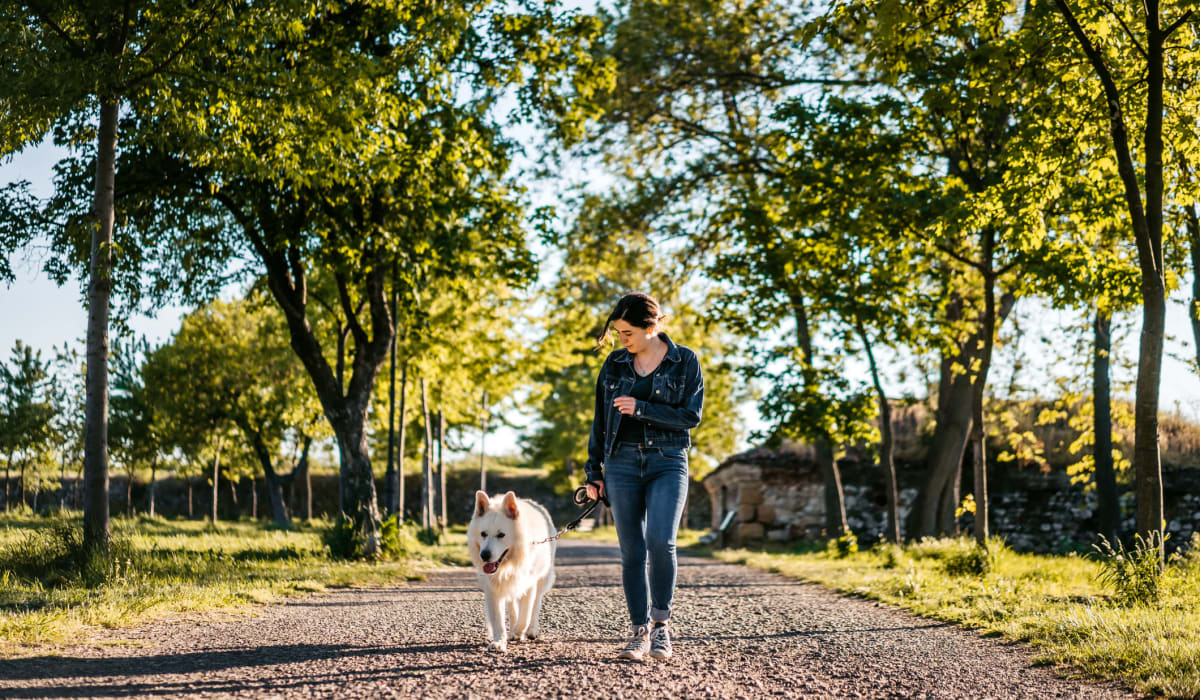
[[483, 534], [499, 535]]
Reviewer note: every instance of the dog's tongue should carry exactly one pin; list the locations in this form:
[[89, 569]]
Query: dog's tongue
[[489, 568]]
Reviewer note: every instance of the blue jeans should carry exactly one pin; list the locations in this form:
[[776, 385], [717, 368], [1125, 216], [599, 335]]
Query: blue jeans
[[647, 488]]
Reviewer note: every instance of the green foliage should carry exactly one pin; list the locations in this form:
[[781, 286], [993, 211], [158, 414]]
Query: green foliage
[[891, 553], [843, 546], [398, 538], [343, 540], [1135, 575], [970, 560]]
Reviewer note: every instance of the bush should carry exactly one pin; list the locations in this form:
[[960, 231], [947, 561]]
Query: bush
[[343, 539], [1135, 575], [892, 553], [969, 560], [843, 546], [398, 538]]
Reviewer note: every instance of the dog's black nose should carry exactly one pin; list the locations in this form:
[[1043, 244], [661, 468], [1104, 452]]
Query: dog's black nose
[[485, 555]]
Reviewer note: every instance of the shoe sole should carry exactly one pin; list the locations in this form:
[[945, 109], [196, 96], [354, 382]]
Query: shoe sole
[[660, 655]]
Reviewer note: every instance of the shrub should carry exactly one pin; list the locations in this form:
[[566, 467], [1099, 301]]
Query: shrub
[[969, 560], [843, 546], [1135, 575], [342, 539], [398, 538], [893, 554]]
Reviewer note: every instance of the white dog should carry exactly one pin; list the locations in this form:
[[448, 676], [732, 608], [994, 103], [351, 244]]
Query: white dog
[[514, 572]]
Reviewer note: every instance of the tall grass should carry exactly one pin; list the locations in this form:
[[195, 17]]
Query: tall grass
[[50, 592]]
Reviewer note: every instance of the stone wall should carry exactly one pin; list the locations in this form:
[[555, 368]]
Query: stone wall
[[779, 495]]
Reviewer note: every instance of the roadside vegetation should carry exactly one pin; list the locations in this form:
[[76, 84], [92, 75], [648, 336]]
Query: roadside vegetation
[[50, 594], [1097, 614]]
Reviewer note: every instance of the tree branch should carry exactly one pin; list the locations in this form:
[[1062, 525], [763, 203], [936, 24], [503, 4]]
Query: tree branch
[[76, 49], [961, 258], [1175, 25], [360, 335], [1129, 32]]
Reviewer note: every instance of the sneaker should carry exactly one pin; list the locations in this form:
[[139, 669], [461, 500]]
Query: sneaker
[[660, 641], [639, 644]]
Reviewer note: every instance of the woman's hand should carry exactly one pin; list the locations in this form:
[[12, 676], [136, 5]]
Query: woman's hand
[[595, 490], [625, 404]]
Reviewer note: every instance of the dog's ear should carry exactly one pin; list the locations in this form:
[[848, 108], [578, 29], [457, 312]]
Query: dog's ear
[[482, 502], [509, 505]]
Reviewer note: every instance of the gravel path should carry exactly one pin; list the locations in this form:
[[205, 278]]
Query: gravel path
[[738, 633]]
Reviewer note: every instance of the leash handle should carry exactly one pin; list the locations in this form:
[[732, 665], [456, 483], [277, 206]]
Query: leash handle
[[581, 499]]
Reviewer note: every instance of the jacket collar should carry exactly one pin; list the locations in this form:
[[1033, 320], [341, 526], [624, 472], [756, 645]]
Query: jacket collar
[[672, 351]]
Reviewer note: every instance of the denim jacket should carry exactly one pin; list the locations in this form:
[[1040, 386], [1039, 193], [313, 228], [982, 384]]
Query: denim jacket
[[677, 399]]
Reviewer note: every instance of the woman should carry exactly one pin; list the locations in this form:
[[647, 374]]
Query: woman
[[648, 395]]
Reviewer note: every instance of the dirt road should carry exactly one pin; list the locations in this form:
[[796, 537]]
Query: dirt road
[[738, 633]]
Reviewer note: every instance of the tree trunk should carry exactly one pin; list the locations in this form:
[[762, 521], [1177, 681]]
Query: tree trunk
[[62, 481], [152, 486], [279, 513], [400, 441], [482, 435], [389, 481], [426, 463], [216, 472], [345, 409], [303, 467], [191, 512], [233, 496], [1102, 453], [21, 479], [886, 460], [835, 502], [441, 466], [254, 498], [129, 495], [979, 387], [7, 465], [929, 516], [96, 532], [933, 511]]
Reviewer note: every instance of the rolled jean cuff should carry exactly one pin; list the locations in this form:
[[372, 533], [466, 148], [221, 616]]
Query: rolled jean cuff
[[657, 615]]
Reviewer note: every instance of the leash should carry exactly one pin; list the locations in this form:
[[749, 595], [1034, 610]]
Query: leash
[[581, 499]]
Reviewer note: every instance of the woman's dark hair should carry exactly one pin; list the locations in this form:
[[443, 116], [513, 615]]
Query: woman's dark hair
[[636, 309]]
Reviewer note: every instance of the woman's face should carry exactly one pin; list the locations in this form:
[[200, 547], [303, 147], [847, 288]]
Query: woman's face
[[632, 338]]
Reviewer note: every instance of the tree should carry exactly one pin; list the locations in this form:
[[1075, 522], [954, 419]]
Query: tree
[[133, 436], [1110, 57], [65, 63], [342, 143], [232, 357], [28, 389]]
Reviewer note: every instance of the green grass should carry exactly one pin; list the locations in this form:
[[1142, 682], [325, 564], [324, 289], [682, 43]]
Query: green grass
[[1054, 603], [177, 567]]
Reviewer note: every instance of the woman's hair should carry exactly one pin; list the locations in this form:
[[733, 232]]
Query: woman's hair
[[636, 309]]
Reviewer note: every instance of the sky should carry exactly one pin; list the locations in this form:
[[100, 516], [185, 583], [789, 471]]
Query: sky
[[43, 315]]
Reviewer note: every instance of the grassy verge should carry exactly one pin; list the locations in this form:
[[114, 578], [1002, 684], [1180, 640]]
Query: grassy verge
[[1054, 603], [175, 567]]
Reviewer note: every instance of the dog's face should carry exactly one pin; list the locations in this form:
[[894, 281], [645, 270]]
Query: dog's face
[[494, 530]]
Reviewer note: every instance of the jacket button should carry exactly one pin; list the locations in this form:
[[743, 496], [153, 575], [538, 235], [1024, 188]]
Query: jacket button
[[649, 442], [658, 391]]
